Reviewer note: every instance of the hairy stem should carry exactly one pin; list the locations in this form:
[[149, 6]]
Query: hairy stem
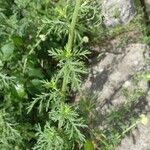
[[71, 33], [73, 24]]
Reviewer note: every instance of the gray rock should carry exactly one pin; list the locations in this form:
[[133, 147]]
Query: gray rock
[[117, 12], [115, 71], [139, 139], [106, 80]]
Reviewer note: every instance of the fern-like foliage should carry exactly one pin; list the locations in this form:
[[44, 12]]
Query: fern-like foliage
[[42, 55], [69, 120], [69, 125], [49, 139], [70, 66], [6, 81], [8, 132]]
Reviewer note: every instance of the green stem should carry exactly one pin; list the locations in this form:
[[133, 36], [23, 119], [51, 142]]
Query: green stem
[[128, 129], [73, 24], [71, 34], [34, 47], [131, 127]]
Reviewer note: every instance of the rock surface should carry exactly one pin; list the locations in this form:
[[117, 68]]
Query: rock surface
[[115, 71], [139, 139], [117, 11], [124, 58], [106, 80]]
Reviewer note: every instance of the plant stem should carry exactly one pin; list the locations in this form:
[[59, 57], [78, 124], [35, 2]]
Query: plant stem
[[128, 129], [73, 24], [34, 47], [71, 34]]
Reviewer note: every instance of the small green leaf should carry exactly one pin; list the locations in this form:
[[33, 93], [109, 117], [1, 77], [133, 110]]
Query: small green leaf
[[8, 50], [36, 73], [88, 145], [17, 41], [1, 64], [147, 76], [20, 90], [36, 83]]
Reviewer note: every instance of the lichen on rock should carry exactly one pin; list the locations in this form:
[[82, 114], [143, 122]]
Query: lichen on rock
[[117, 12]]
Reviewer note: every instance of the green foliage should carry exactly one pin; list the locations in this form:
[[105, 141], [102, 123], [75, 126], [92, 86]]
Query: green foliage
[[6, 81], [121, 121], [88, 145], [42, 54], [114, 124], [9, 135], [49, 139], [70, 67], [43, 50]]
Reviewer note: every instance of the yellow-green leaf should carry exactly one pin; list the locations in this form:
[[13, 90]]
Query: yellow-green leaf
[[88, 145]]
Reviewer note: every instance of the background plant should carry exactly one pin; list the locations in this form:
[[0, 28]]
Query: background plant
[[41, 72], [40, 69]]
